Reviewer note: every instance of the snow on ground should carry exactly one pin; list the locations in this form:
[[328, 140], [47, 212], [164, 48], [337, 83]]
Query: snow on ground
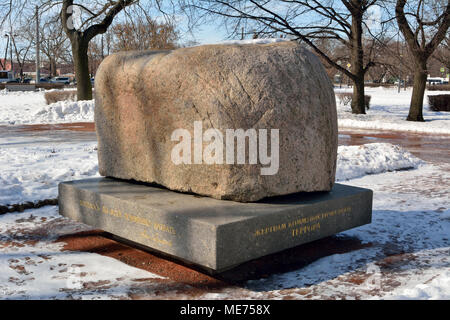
[[408, 256], [32, 173], [66, 112], [27, 107], [409, 252], [35, 267], [388, 111]]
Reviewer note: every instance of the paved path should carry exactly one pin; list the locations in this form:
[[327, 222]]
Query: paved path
[[28, 135], [431, 148]]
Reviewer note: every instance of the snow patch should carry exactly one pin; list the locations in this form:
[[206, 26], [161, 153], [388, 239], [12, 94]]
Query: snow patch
[[25, 107], [66, 111], [31, 173], [408, 252], [42, 270], [372, 158], [388, 111]]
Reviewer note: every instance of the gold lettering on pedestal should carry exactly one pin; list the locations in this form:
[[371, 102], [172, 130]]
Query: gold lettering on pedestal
[[89, 205], [137, 220], [305, 229], [112, 212], [153, 225], [156, 239], [302, 225]]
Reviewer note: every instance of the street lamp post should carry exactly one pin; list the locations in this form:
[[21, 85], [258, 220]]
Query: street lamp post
[[400, 75], [38, 72], [10, 43], [340, 75], [6, 50], [11, 39]]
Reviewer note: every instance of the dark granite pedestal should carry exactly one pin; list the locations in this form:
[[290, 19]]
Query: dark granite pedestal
[[214, 234]]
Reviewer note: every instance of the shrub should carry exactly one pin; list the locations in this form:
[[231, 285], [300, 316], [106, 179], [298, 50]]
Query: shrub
[[55, 96], [345, 99], [439, 102], [376, 85], [48, 86], [439, 87]]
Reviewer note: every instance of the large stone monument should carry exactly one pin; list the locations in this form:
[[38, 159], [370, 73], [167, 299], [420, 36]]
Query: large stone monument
[[225, 153], [143, 97]]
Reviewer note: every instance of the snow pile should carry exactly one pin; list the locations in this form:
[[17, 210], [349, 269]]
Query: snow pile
[[42, 270], [30, 173], [17, 108], [388, 111], [372, 158], [66, 111]]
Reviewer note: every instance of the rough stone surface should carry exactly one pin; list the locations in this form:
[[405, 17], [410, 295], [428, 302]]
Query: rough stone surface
[[212, 233], [142, 97]]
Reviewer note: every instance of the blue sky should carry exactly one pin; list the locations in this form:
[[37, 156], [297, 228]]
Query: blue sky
[[209, 34]]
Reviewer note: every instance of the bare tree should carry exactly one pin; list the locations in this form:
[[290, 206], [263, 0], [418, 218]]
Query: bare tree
[[54, 43], [143, 34], [442, 53], [97, 20], [95, 55], [418, 21], [21, 50], [308, 21], [394, 61], [10, 10]]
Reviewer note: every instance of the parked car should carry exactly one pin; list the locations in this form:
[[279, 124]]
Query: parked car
[[65, 80], [44, 80], [6, 76]]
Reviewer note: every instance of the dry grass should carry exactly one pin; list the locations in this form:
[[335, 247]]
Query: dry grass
[[345, 99], [439, 87], [63, 95], [376, 85]]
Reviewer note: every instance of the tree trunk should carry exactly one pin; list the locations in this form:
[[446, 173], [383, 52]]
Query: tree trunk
[[53, 67], [357, 62], [358, 101], [81, 64], [420, 82]]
